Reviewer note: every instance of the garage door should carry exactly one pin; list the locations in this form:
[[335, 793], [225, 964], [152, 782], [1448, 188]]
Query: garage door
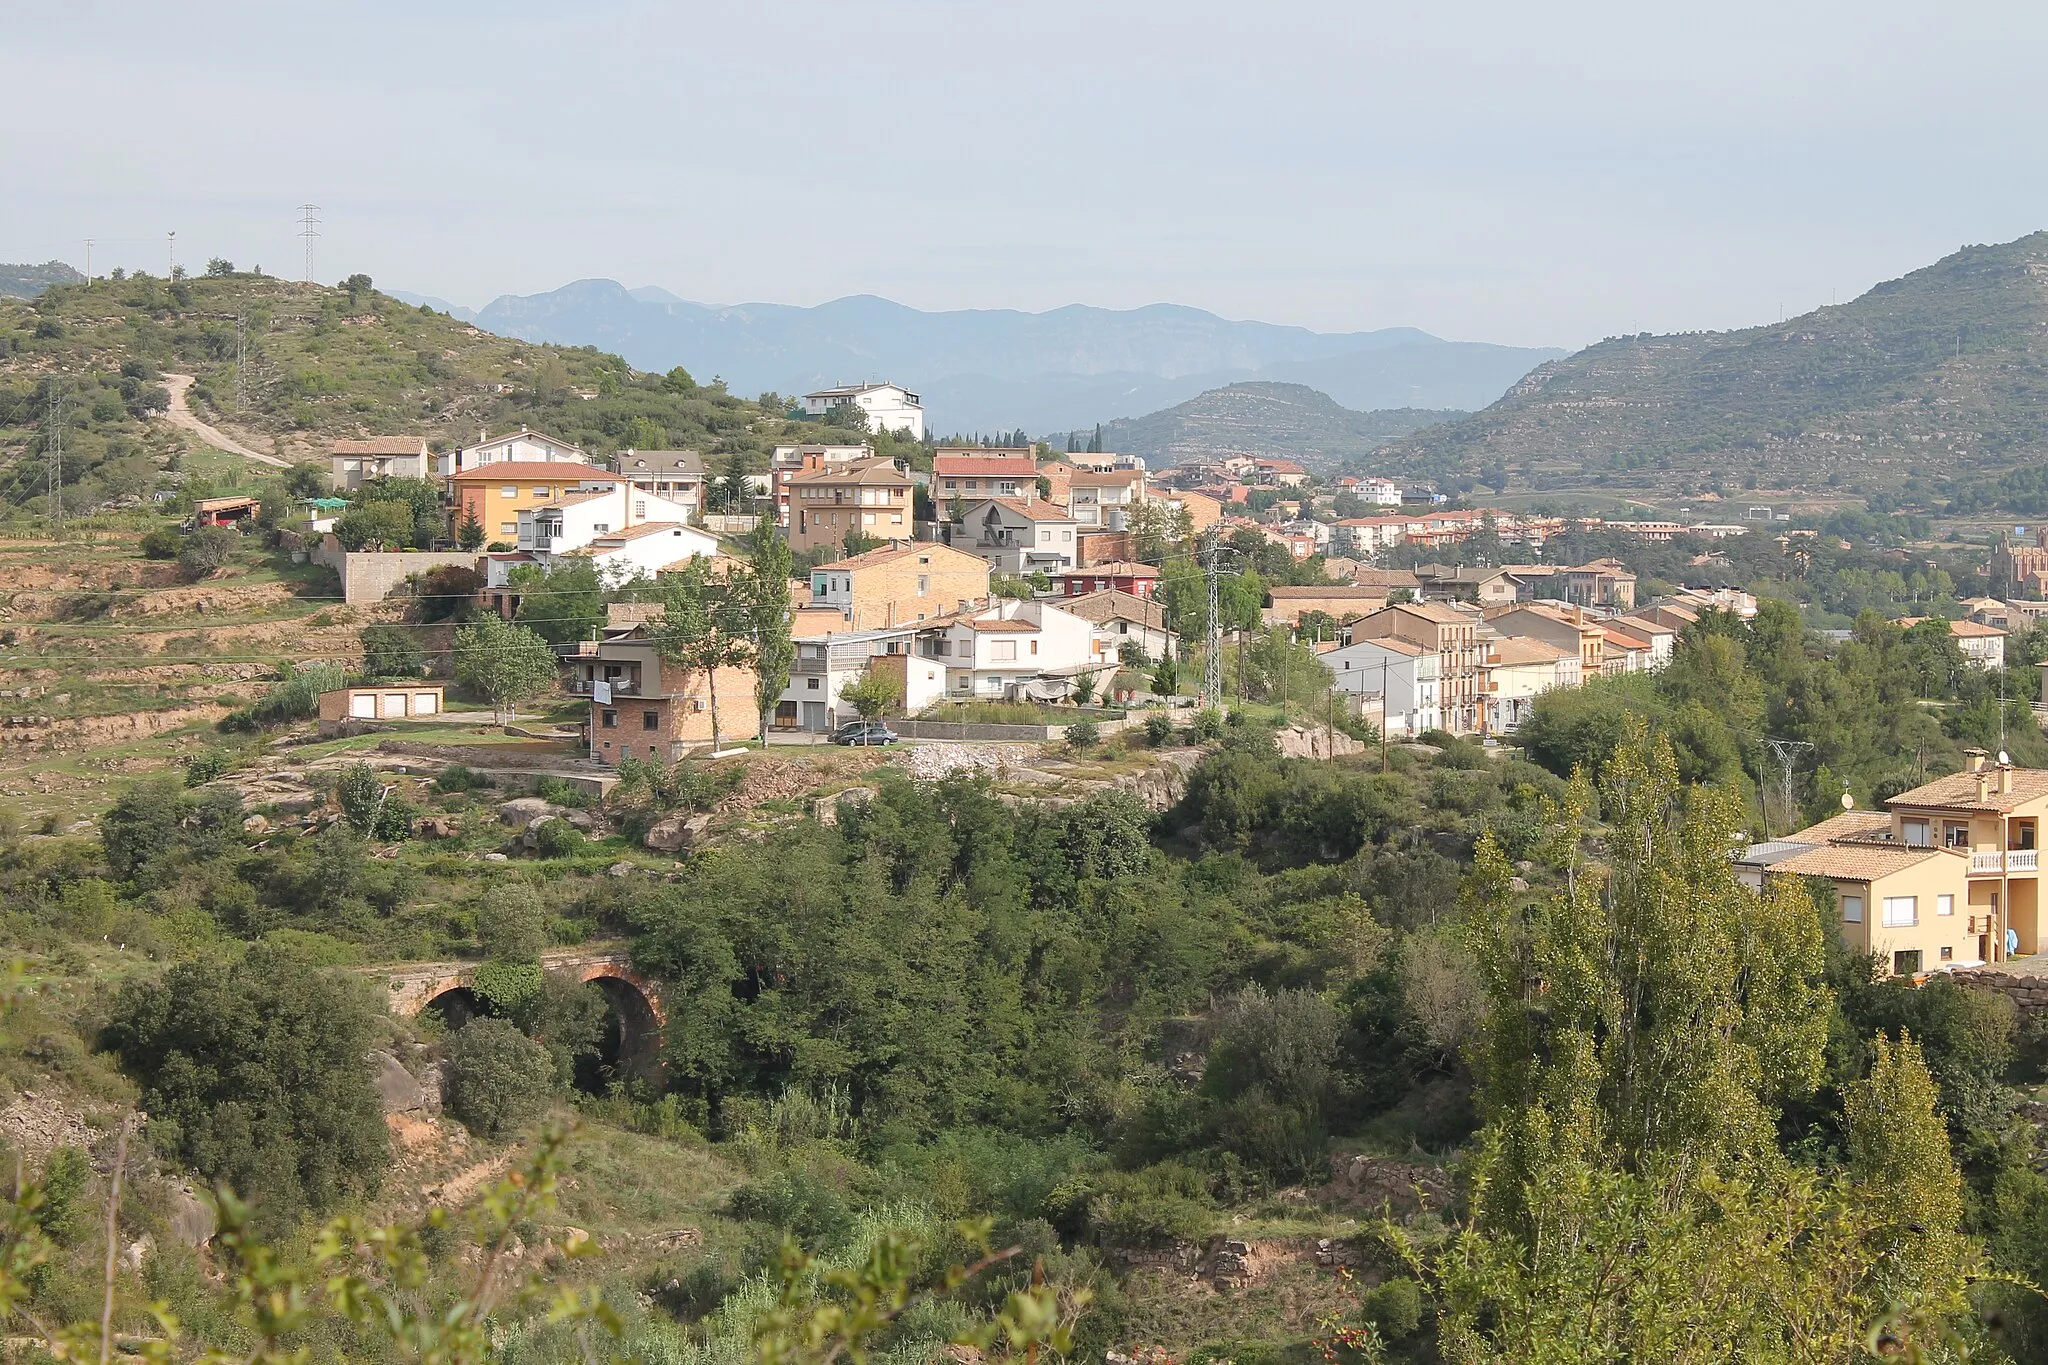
[[392, 704], [363, 706], [425, 703]]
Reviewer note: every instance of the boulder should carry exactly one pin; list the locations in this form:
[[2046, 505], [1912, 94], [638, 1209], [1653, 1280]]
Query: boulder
[[255, 824], [619, 870], [674, 833], [521, 811], [191, 1218], [398, 1088]]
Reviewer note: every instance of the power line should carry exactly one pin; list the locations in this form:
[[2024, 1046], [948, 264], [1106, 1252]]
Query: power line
[[309, 229], [1212, 666]]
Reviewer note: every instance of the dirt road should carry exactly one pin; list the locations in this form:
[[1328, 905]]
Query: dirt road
[[182, 417]]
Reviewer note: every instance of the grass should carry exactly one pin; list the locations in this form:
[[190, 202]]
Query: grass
[[1010, 713]]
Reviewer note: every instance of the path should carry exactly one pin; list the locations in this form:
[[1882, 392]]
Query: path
[[180, 415]]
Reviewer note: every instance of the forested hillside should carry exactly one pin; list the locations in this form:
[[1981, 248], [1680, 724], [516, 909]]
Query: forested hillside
[[1290, 421], [1929, 391]]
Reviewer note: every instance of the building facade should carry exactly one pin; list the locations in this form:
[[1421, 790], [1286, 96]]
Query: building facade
[[887, 407], [829, 503]]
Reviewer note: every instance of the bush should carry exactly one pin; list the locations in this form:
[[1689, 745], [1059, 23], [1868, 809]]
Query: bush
[[257, 1075], [1394, 1307], [498, 1078], [206, 551], [1208, 724], [457, 778], [162, 543], [1159, 729], [512, 923], [361, 794], [557, 838], [389, 652], [205, 765], [296, 696], [1083, 734]]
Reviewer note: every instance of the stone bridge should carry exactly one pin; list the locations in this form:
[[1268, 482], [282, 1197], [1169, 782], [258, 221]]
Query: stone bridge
[[636, 1000]]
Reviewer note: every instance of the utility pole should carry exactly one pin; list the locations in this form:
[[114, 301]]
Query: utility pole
[[88, 260], [1785, 750], [241, 357], [171, 270], [53, 451], [1212, 667], [309, 228]]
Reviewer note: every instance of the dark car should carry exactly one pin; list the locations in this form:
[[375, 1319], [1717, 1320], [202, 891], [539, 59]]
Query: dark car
[[865, 734]]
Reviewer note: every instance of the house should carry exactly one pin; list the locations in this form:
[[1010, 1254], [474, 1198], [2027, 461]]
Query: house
[[1285, 606], [1202, 510], [784, 461], [1104, 500], [886, 407], [1454, 637], [642, 707], [898, 584], [1622, 650], [224, 511], [1982, 646], [1565, 627], [1367, 536], [1125, 626], [1947, 876], [1403, 674], [969, 472], [1602, 583], [647, 549], [1103, 461], [1017, 535], [393, 701], [1515, 672], [870, 497], [1466, 583], [1661, 637], [677, 475], [575, 519], [494, 495], [825, 664], [1285, 473], [1000, 650], [354, 463], [1378, 492], [520, 447], [1124, 575]]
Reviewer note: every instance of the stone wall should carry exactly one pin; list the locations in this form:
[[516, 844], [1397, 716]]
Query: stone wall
[[2030, 993], [369, 576]]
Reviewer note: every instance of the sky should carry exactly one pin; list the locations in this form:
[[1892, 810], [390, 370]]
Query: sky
[[1535, 174]]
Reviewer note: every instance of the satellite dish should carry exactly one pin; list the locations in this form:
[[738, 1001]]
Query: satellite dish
[[2003, 759], [1848, 801]]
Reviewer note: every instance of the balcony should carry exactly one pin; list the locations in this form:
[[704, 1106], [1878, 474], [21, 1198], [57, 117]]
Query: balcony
[[1989, 864], [1992, 863], [2022, 860], [621, 687]]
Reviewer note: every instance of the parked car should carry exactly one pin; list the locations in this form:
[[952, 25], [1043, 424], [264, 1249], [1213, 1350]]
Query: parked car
[[865, 734]]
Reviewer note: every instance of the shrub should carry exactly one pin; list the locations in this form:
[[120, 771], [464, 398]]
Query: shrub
[[1159, 729], [162, 543], [457, 778], [1394, 1307], [512, 923], [206, 551], [389, 652], [205, 765], [361, 794], [296, 696], [556, 792], [395, 820], [1083, 734], [557, 838], [498, 1077], [1208, 724]]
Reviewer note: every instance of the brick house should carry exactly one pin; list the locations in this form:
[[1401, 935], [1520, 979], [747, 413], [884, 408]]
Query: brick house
[[900, 583]]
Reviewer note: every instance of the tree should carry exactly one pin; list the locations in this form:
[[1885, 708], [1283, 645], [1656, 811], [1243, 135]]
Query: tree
[[503, 663], [766, 591], [361, 794], [219, 268], [384, 525], [306, 480], [872, 695], [357, 286], [206, 551], [702, 628], [469, 533], [390, 652], [258, 1075], [562, 603], [512, 923], [498, 1077]]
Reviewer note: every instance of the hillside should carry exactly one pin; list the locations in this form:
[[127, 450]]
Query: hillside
[[1289, 420], [318, 363], [23, 281], [1927, 391], [988, 369]]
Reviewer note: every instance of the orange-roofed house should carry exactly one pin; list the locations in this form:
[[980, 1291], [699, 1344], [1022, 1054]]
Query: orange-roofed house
[[1454, 637], [973, 472], [835, 500], [1202, 510], [1001, 650], [1982, 646], [495, 494], [514, 447], [1017, 535]]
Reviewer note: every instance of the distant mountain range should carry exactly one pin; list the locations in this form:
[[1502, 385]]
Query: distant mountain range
[[1262, 418], [1928, 391], [27, 281], [988, 370]]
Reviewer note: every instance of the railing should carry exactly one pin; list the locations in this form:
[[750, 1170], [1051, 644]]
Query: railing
[[1991, 863], [2023, 860], [621, 687]]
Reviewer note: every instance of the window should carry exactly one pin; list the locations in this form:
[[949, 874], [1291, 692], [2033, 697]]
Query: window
[[1944, 904], [1954, 835], [1948, 954], [1852, 909], [650, 720], [1915, 833], [811, 683], [611, 720], [602, 528], [508, 528], [1901, 910], [509, 491], [1002, 650], [924, 584], [1906, 963]]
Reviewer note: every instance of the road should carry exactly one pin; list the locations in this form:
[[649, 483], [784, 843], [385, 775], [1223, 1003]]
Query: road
[[181, 416]]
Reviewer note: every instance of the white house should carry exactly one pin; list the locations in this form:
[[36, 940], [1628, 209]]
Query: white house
[[1402, 672], [1103, 501], [1124, 619], [677, 475], [825, 665], [889, 407], [1017, 535], [514, 447], [644, 550], [577, 519], [353, 463], [1516, 671], [996, 651]]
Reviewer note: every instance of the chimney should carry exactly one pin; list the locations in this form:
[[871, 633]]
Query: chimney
[[1983, 786], [1976, 759], [2005, 779]]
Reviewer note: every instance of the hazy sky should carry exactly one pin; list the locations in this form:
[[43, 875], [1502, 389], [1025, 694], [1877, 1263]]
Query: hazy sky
[[1516, 172]]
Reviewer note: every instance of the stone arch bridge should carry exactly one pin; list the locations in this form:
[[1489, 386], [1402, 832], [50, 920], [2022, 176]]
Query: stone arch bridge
[[636, 1000]]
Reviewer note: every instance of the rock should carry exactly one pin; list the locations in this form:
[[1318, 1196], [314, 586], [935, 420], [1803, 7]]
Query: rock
[[521, 811], [580, 819], [1517, 884], [496, 858], [826, 808], [1161, 786], [255, 824], [398, 1088], [435, 827], [191, 1218], [138, 1251], [673, 833], [1315, 742], [619, 870]]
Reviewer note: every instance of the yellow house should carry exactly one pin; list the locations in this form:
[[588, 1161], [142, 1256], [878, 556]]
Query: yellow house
[[1947, 876]]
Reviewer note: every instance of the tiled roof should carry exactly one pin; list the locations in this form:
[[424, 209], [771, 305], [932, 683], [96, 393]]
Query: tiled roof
[[1116, 568], [984, 466], [1856, 862], [553, 471], [1115, 478], [571, 500], [1523, 649], [888, 554], [1281, 592], [645, 528], [1434, 612], [1031, 509], [1848, 825], [880, 470], [380, 445], [1959, 790], [997, 624], [539, 436], [1114, 604]]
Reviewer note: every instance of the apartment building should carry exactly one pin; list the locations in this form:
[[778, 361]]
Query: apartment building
[[1948, 875], [834, 500], [1453, 636], [1017, 535], [898, 584], [1403, 675], [1514, 672], [886, 407], [1104, 501], [967, 473], [1565, 627]]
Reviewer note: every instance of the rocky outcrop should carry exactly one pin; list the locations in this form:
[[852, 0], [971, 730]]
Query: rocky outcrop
[[1298, 741], [677, 832], [1161, 786]]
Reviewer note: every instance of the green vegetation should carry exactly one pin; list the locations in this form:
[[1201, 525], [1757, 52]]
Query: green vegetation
[[1288, 420]]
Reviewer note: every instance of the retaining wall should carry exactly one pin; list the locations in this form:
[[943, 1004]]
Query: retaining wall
[[369, 576], [2030, 993], [949, 729]]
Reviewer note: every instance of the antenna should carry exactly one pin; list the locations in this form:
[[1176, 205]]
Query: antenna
[[171, 271], [1212, 666], [88, 260], [309, 228]]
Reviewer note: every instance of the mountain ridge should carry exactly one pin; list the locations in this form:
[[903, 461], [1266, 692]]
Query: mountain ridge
[[1291, 421]]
